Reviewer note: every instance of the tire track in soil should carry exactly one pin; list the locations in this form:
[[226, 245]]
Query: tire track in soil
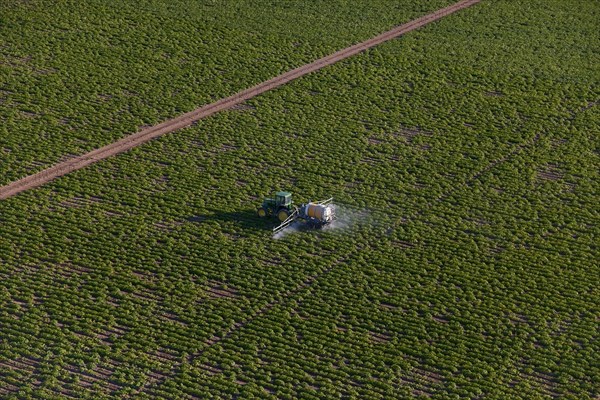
[[304, 285], [187, 119]]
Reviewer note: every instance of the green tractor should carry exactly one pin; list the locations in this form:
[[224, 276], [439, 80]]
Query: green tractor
[[282, 206]]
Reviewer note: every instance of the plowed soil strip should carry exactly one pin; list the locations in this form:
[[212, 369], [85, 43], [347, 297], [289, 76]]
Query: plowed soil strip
[[187, 119]]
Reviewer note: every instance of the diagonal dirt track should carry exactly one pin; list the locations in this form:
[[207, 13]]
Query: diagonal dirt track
[[187, 119]]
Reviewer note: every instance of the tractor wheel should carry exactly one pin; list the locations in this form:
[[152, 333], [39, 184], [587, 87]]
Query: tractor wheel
[[283, 214], [261, 212]]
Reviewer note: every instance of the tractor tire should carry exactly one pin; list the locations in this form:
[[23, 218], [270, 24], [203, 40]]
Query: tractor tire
[[283, 214], [261, 212]]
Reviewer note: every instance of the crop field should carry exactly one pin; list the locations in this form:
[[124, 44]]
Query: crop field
[[464, 161], [84, 74]]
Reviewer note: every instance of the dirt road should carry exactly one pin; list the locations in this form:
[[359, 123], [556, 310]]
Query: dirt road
[[187, 119]]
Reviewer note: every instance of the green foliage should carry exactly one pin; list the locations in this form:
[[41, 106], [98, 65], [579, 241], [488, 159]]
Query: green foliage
[[88, 73], [468, 162]]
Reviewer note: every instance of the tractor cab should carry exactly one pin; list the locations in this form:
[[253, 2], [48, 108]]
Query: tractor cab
[[281, 206], [283, 199]]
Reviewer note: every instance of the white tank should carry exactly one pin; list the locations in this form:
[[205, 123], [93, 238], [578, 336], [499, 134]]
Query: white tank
[[319, 212]]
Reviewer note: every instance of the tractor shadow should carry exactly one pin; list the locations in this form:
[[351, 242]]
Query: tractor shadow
[[247, 219]]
